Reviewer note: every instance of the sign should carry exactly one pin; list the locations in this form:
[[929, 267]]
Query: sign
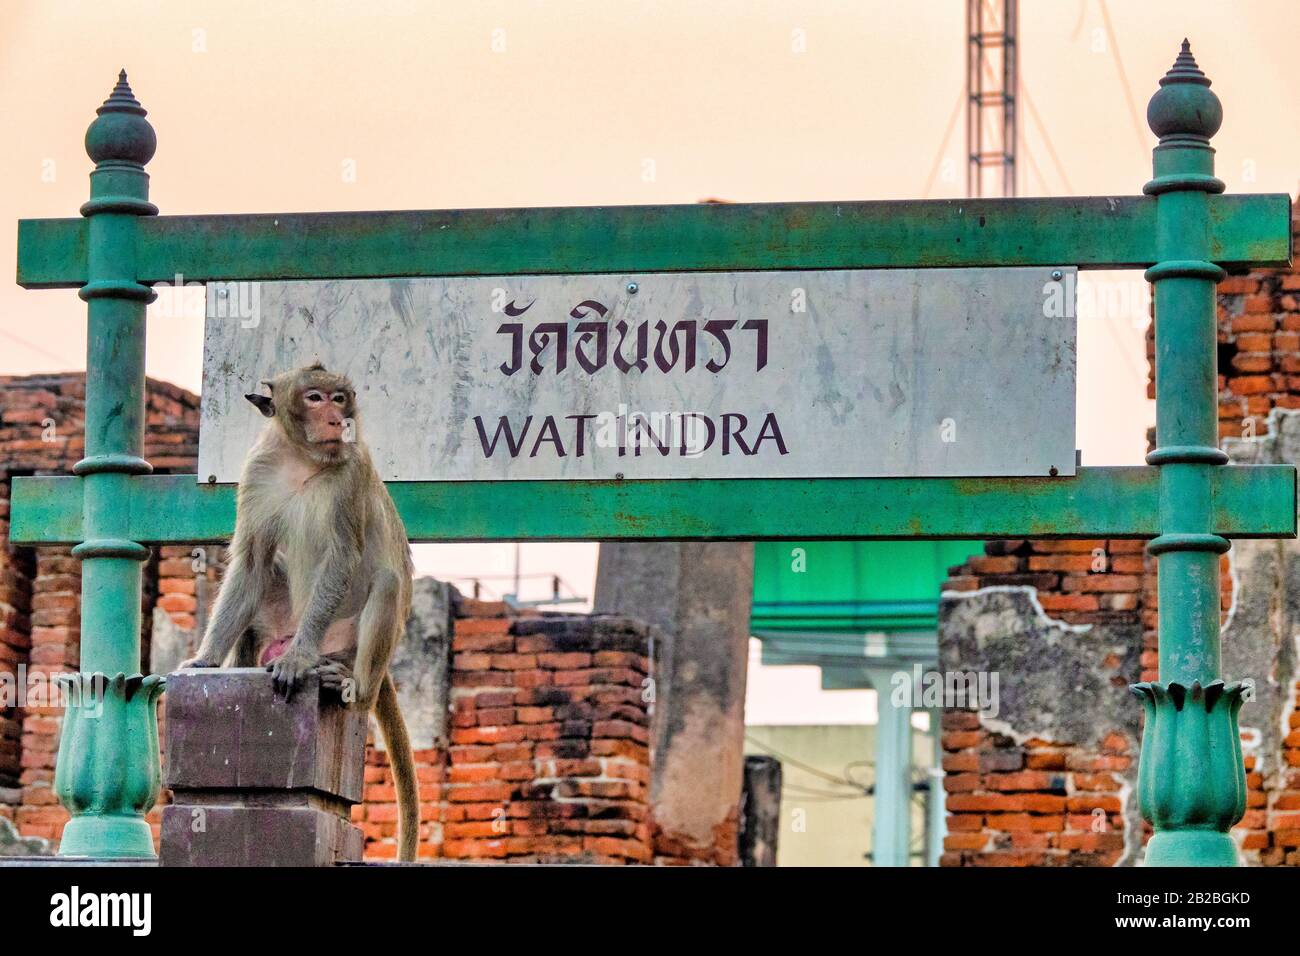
[[826, 374]]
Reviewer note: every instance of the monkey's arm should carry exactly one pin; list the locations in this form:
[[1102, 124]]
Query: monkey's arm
[[334, 578], [237, 602]]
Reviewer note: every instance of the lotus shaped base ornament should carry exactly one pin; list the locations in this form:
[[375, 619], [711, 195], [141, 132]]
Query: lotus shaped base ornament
[[1191, 780], [107, 773]]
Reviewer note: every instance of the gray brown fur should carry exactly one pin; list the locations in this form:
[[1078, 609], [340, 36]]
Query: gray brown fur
[[319, 552]]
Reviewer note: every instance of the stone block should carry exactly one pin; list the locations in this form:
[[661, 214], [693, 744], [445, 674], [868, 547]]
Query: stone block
[[259, 779], [273, 835], [227, 729]]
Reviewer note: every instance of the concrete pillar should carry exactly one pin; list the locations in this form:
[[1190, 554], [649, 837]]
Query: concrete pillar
[[259, 780], [697, 596], [892, 825]]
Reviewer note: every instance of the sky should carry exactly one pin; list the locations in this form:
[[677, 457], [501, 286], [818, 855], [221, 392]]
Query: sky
[[275, 106]]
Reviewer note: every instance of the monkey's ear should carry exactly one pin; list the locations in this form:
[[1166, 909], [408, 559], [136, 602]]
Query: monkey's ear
[[264, 404], [270, 386]]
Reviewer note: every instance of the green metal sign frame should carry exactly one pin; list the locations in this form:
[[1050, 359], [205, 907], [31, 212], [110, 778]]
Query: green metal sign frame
[[1182, 231]]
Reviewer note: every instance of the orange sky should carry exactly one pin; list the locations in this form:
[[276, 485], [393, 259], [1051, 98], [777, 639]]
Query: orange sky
[[264, 105]]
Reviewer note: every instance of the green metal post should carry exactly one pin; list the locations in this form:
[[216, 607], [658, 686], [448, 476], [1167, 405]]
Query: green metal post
[[1191, 783], [107, 773]]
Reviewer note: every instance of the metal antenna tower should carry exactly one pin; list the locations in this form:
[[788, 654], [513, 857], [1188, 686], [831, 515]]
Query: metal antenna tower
[[991, 87]]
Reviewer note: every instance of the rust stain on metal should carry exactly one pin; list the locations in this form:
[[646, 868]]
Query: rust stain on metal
[[635, 522]]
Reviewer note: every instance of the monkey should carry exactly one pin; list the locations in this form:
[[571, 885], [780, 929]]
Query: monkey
[[319, 579]]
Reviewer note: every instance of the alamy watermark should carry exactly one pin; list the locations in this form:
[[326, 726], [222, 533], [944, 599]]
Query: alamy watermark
[[1089, 298], [39, 688], [961, 690], [215, 300]]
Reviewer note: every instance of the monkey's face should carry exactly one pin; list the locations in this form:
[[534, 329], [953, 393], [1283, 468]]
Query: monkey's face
[[316, 409], [325, 416]]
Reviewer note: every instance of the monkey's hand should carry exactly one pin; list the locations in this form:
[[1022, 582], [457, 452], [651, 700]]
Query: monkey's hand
[[194, 662], [291, 668]]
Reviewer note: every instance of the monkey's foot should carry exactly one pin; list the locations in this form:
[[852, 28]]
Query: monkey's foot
[[290, 669], [335, 677], [193, 662]]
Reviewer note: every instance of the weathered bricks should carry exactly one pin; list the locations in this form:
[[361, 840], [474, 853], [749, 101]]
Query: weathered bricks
[[548, 757]]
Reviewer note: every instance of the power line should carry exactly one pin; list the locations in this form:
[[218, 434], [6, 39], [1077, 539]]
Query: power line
[[1047, 140], [943, 147], [808, 798], [1060, 168], [806, 768], [38, 349], [1078, 23], [1033, 165], [1123, 77]]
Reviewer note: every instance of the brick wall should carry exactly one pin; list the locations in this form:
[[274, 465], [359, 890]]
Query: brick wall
[[41, 423], [1031, 804], [548, 756], [17, 570], [1039, 801], [1036, 801]]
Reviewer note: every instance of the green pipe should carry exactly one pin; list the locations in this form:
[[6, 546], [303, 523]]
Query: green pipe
[[107, 772], [1191, 783]]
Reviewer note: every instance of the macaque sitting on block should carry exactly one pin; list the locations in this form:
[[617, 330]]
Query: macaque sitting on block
[[320, 573]]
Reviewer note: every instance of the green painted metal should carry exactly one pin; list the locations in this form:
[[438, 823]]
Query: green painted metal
[[852, 586], [107, 770], [917, 615], [1091, 232], [1249, 502], [845, 657], [1192, 782], [107, 773]]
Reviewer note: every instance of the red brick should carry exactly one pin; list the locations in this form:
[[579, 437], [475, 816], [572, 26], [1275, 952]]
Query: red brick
[[982, 564], [497, 642], [471, 662], [960, 740], [965, 841], [469, 627], [567, 661], [1101, 582], [1251, 384], [514, 662], [1024, 780], [1059, 603]]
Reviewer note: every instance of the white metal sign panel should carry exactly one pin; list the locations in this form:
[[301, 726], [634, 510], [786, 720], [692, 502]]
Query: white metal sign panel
[[831, 374]]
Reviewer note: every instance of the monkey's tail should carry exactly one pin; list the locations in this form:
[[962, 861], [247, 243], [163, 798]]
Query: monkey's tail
[[393, 727]]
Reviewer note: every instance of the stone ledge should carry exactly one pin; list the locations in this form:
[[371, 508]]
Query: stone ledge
[[256, 836], [227, 729]]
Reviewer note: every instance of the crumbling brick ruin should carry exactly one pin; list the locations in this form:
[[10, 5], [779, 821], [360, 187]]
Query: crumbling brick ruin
[[1070, 623]]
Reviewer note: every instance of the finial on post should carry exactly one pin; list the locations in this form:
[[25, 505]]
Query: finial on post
[[1184, 104], [120, 133]]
